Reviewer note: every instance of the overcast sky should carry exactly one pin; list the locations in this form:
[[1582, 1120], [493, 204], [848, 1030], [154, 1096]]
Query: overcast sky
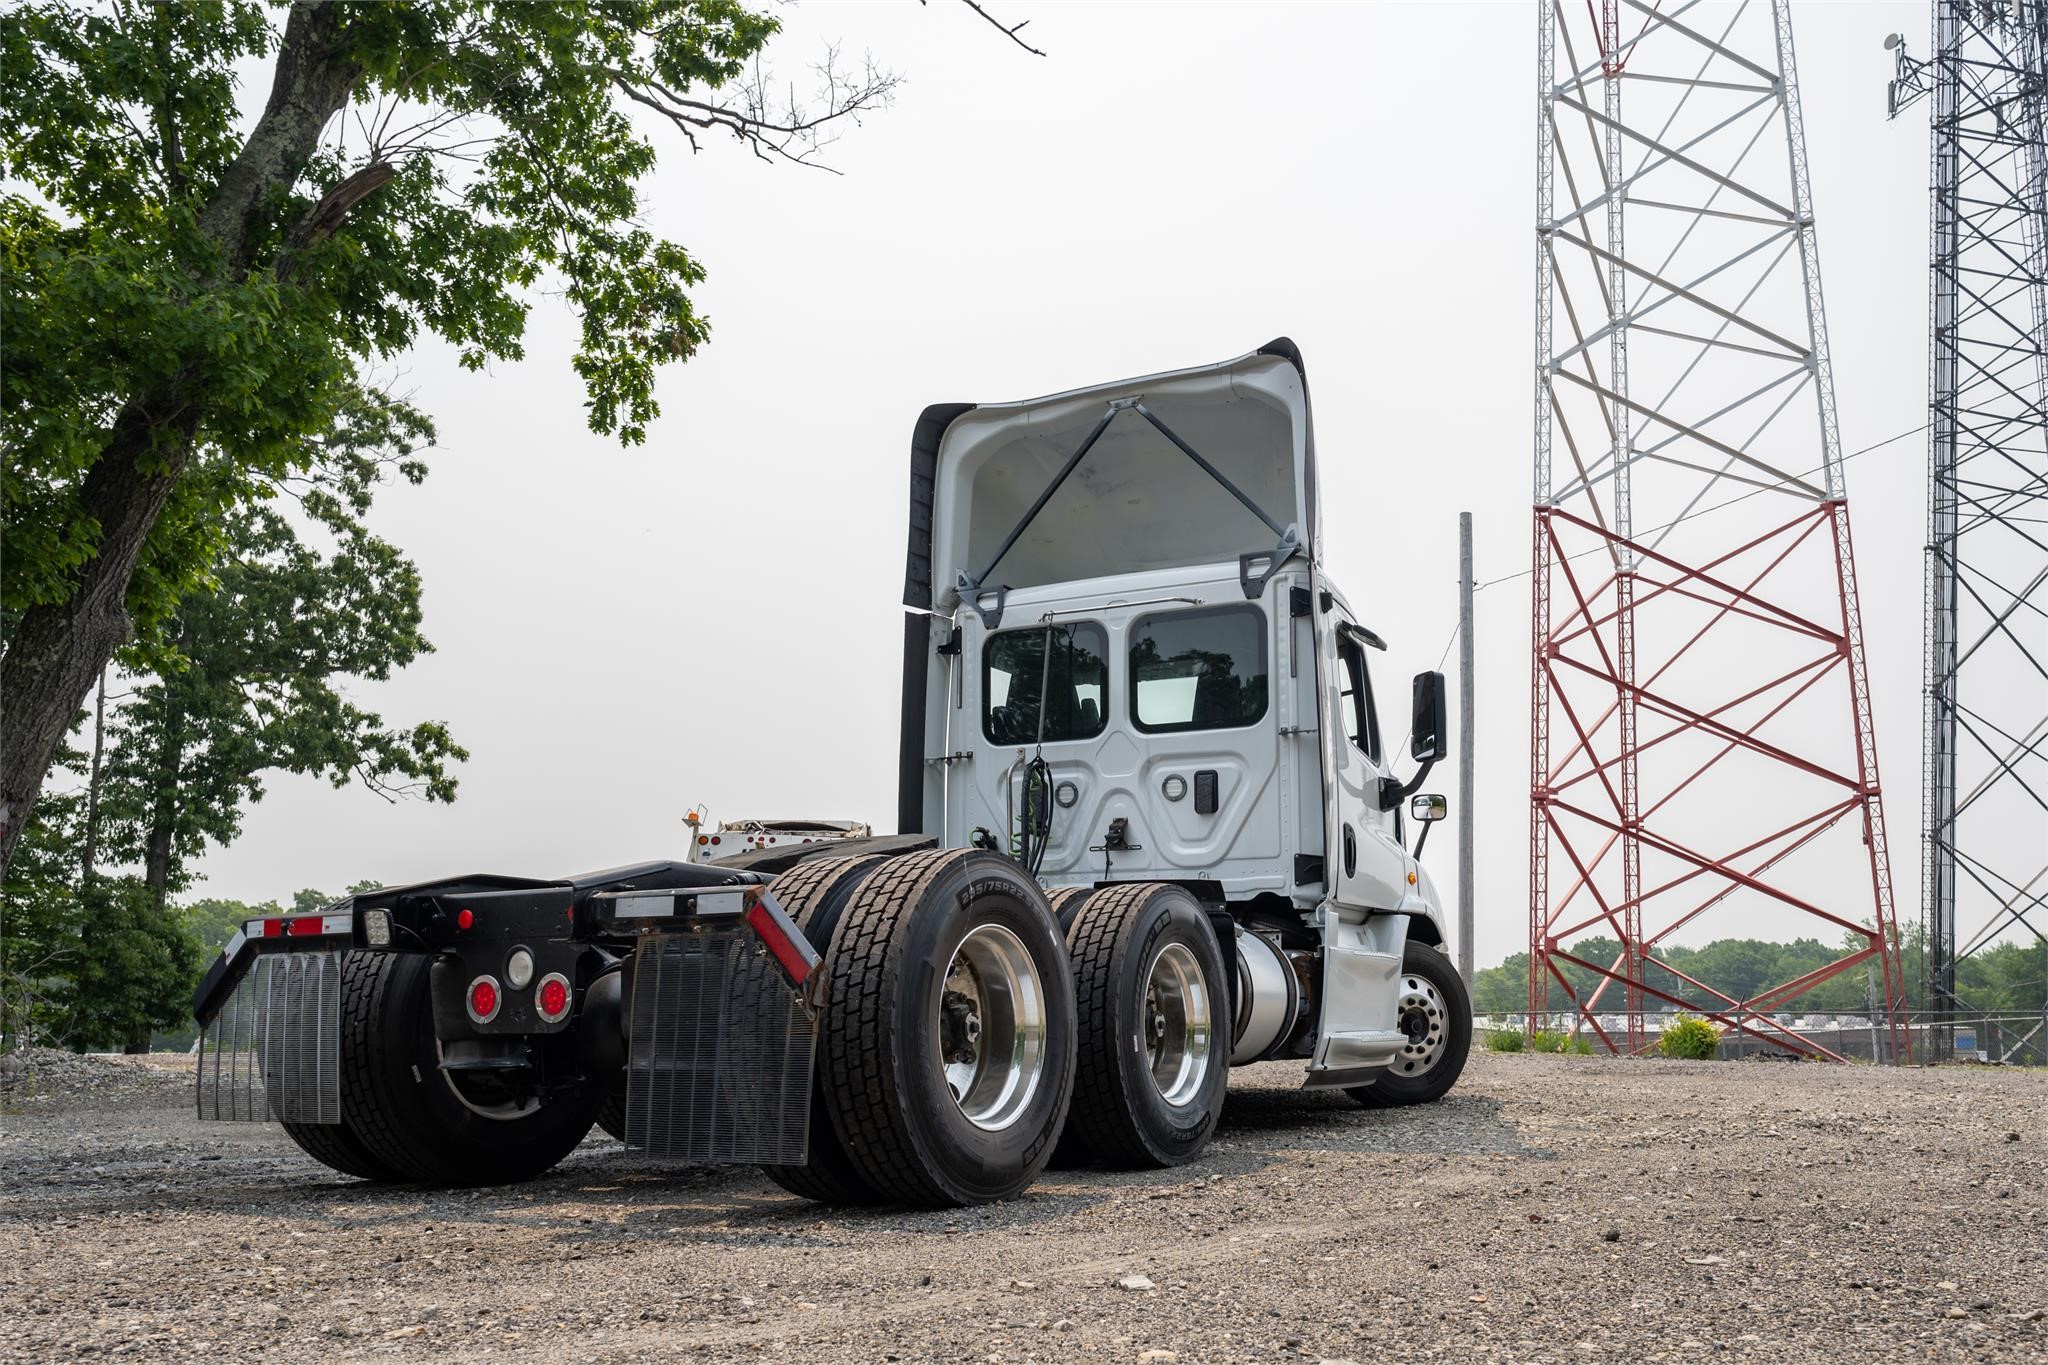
[[714, 616]]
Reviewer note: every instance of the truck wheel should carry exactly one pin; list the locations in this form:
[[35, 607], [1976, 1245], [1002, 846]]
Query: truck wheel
[[1149, 992], [336, 1146], [814, 893], [948, 1037], [1436, 1013], [407, 1111]]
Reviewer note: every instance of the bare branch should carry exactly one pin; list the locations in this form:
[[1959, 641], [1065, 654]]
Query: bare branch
[[795, 132], [1008, 31]]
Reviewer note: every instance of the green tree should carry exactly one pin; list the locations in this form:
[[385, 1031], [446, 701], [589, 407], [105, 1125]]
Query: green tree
[[86, 960], [248, 677], [188, 301]]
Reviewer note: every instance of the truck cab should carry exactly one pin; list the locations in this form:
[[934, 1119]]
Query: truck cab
[[1125, 662]]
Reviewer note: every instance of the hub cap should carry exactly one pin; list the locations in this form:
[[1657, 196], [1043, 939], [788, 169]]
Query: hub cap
[[1422, 1016], [1175, 1029], [991, 1030]]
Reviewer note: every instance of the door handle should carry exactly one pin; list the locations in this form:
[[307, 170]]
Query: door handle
[[1350, 852]]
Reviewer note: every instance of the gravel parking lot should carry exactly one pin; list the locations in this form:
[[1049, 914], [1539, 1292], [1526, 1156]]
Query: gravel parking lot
[[1552, 1209]]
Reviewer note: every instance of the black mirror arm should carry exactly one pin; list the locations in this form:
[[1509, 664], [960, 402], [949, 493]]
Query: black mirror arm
[[1393, 791], [1422, 838]]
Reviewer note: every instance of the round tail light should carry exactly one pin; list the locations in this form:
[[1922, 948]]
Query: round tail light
[[551, 998], [484, 999]]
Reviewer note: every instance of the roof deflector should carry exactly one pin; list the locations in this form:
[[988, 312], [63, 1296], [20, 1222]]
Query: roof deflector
[[1254, 569]]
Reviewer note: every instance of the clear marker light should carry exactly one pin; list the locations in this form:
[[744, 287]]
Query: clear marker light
[[377, 928], [519, 968]]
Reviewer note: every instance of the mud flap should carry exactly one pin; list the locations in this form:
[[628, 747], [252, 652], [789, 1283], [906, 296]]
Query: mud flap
[[274, 1049], [720, 1053]]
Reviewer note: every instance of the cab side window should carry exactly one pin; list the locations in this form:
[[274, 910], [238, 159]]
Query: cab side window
[[1354, 683]]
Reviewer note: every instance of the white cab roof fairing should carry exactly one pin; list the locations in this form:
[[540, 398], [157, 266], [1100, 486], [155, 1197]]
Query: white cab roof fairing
[[1134, 502]]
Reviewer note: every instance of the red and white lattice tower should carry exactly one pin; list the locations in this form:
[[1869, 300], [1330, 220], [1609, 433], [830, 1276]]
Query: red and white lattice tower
[[1701, 755]]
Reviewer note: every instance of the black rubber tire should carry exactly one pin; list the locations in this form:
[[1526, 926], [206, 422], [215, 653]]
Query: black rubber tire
[[1066, 903], [611, 1115], [887, 1097], [1397, 1089], [814, 894], [404, 1110], [336, 1145], [1119, 1115]]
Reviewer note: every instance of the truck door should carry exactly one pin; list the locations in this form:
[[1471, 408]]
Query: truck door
[[1365, 867]]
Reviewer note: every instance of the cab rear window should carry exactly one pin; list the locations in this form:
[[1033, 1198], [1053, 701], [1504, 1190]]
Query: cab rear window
[[1199, 670], [1046, 684]]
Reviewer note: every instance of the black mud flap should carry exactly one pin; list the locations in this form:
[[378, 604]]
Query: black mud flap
[[274, 1049], [721, 1048]]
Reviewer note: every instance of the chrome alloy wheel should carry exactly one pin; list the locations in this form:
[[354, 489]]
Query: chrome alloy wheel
[[1423, 1016], [1177, 1030], [991, 1032]]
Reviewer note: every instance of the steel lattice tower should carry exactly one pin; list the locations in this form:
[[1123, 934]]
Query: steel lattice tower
[[1986, 739], [1701, 758]]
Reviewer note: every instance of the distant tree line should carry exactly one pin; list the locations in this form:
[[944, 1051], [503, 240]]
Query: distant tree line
[[2009, 978]]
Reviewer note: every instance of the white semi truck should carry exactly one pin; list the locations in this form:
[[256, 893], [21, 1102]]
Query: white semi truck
[[1153, 830]]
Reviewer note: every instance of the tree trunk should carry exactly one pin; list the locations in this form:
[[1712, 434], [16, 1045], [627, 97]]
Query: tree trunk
[[92, 785], [163, 805], [57, 649]]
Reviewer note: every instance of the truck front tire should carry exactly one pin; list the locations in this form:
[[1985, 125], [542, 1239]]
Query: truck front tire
[[1435, 1011], [947, 1046], [1150, 997], [404, 1110]]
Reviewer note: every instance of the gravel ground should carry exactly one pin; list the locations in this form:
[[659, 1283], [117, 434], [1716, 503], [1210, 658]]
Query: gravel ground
[[1552, 1209]]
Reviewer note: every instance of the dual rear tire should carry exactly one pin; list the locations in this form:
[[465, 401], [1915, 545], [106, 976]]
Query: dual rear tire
[[403, 1119], [969, 1023], [946, 1051], [1150, 993]]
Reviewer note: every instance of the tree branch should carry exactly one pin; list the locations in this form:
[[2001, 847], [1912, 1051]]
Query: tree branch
[[793, 135], [1009, 31], [319, 222]]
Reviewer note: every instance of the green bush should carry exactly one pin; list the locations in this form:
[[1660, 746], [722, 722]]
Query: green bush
[[1692, 1040], [1577, 1044], [1506, 1040]]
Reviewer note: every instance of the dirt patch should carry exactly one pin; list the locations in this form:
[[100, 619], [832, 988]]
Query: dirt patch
[[1552, 1209]]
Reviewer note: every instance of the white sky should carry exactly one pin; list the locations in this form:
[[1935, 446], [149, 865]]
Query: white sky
[[714, 616]]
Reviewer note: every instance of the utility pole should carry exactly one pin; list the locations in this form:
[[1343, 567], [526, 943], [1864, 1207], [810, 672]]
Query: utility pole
[[1465, 812]]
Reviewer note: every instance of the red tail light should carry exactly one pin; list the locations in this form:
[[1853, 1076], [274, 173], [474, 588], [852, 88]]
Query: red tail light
[[551, 998], [484, 999]]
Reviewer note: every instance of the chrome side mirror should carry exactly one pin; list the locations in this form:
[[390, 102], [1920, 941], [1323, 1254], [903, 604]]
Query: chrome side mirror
[[1428, 807]]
